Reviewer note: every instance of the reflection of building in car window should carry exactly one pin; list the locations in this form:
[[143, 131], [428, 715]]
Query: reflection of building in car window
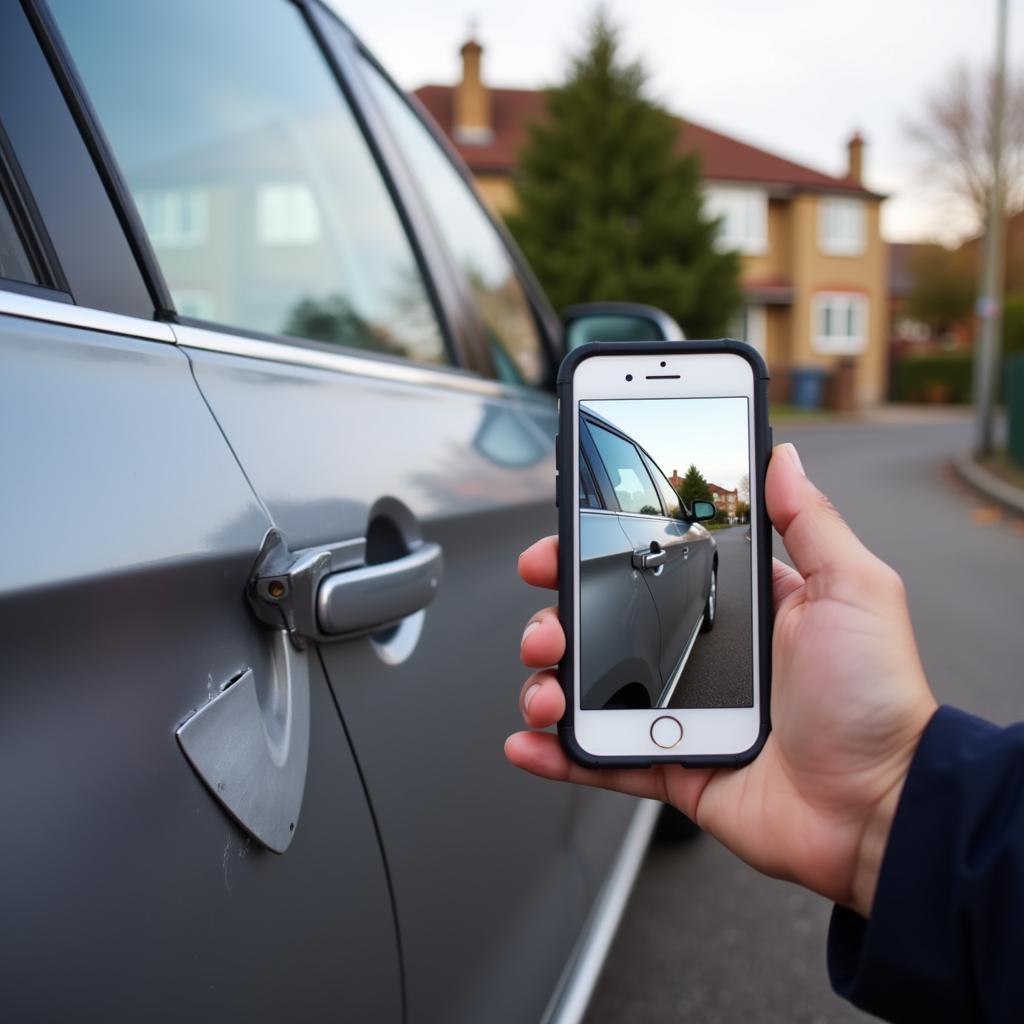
[[629, 489]]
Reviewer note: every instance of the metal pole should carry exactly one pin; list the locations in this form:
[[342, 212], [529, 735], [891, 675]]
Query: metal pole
[[990, 302]]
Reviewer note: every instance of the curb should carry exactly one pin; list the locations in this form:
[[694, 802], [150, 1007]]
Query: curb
[[989, 484]]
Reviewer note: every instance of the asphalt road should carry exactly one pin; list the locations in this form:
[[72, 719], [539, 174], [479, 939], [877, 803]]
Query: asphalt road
[[705, 938], [718, 673]]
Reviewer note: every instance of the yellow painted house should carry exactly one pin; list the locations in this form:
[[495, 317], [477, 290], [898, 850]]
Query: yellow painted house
[[814, 263]]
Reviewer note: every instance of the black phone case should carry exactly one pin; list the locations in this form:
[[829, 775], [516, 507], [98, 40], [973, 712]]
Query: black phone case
[[761, 540]]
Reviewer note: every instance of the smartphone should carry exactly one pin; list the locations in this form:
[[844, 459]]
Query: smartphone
[[664, 553]]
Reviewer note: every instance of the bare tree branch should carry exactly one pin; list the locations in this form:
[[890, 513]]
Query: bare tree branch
[[954, 136]]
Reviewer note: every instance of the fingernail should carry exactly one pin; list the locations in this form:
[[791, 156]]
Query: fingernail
[[795, 456], [528, 696], [529, 629]]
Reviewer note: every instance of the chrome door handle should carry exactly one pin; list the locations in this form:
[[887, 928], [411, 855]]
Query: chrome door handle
[[686, 553], [330, 593], [648, 559], [362, 600]]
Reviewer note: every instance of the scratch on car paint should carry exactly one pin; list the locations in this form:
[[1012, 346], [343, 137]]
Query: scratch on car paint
[[224, 862]]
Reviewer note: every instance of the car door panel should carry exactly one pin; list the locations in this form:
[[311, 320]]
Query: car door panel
[[621, 633], [461, 828], [678, 586], [128, 892]]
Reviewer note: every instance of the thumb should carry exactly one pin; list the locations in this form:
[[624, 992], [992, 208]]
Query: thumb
[[816, 536]]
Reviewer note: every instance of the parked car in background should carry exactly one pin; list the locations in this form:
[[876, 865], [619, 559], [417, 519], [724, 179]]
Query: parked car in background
[[648, 573], [278, 417]]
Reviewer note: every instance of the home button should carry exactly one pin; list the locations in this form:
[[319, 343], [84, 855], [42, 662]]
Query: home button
[[666, 732]]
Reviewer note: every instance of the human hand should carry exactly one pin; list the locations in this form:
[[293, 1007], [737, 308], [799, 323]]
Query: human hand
[[849, 704]]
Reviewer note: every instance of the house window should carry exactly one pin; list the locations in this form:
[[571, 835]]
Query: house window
[[840, 324], [743, 213], [194, 303], [841, 226], [750, 325], [174, 218], [287, 214]]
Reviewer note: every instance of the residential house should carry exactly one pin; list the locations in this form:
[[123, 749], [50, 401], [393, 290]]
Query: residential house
[[814, 263], [725, 501]]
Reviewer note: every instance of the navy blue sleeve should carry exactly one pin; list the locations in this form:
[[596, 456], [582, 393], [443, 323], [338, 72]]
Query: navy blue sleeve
[[945, 941]]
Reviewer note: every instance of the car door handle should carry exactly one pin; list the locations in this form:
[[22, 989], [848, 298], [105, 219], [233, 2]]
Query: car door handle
[[329, 593], [362, 600], [648, 558], [686, 553]]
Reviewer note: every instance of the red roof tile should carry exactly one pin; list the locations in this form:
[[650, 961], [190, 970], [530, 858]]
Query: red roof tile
[[511, 111], [723, 157]]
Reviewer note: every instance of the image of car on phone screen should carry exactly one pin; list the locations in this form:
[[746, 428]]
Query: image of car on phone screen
[[648, 572]]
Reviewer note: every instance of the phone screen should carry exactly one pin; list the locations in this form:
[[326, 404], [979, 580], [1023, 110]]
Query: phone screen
[[665, 606]]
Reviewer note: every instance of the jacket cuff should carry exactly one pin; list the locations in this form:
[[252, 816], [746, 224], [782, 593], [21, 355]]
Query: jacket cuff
[[912, 960]]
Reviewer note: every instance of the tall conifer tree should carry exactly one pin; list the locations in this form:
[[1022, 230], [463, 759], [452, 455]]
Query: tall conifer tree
[[608, 209]]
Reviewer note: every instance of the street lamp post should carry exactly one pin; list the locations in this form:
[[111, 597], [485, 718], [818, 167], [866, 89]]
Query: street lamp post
[[990, 301]]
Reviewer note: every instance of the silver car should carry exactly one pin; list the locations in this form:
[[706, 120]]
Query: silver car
[[648, 573], [277, 417]]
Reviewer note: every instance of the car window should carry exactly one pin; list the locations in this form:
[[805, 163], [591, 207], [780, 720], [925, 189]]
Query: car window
[[669, 498], [261, 198], [508, 319], [15, 264], [630, 480]]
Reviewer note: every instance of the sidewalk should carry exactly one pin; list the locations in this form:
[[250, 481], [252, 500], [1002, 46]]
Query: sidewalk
[[889, 415], [988, 483]]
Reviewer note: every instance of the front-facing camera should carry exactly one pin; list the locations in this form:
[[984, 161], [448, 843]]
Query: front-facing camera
[[629, 376]]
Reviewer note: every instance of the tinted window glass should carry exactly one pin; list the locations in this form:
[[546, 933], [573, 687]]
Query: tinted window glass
[[479, 249], [259, 194], [630, 480], [14, 262]]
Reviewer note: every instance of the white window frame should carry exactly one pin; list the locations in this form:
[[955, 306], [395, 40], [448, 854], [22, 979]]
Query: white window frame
[[164, 212], [842, 226], [835, 337], [744, 218], [287, 214], [751, 325]]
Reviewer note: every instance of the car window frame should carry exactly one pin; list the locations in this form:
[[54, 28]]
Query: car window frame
[[547, 323], [656, 473]]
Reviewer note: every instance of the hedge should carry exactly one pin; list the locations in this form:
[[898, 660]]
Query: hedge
[[943, 377]]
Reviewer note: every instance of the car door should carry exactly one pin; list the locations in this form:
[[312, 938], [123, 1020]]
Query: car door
[[133, 887], [669, 574], [620, 630], [328, 355]]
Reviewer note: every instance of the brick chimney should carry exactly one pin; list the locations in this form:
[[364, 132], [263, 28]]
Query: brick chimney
[[855, 158], [472, 99]]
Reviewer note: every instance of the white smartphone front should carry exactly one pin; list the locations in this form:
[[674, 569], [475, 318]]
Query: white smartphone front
[[666, 498]]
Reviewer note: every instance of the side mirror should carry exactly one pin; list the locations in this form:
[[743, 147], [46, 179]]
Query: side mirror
[[617, 321], [702, 511]]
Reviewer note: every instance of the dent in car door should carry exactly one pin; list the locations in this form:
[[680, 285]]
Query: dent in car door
[[127, 891], [487, 888]]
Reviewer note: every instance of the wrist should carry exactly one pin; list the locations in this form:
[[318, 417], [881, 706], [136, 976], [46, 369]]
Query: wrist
[[871, 850], [875, 836]]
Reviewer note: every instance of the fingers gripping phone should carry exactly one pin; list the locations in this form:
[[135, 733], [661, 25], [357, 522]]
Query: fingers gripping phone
[[665, 552]]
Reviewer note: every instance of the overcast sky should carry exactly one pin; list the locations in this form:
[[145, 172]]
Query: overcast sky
[[710, 433], [795, 77]]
